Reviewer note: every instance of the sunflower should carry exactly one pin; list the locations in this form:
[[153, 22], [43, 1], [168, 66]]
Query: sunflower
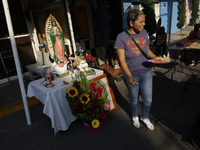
[[84, 98], [95, 123], [72, 92]]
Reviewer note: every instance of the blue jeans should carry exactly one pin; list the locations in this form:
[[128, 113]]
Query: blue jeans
[[145, 86]]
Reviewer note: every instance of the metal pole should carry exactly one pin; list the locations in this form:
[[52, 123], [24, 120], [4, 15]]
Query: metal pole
[[16, 58], [70, 26], [170, 28]]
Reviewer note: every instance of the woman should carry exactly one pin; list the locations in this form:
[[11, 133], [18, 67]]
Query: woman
[[58, 45], [137, 73]]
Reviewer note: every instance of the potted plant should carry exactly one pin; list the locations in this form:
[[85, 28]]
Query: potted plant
[[91, 61]]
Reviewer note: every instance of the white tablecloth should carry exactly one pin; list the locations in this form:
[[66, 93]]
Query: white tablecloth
[[56, 106]]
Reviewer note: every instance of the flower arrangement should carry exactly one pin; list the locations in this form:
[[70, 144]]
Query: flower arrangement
[[88, 100], [91, 61]]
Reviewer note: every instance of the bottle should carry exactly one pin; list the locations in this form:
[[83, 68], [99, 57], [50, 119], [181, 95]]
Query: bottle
[[49, 76]]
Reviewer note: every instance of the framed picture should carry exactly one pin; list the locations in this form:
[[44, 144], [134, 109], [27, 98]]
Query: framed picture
[[104, 82], [101, 55]]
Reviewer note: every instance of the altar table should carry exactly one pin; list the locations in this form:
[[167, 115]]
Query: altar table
[[56, 106]]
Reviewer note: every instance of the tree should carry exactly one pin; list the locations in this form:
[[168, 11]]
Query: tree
[[148, 9], [181, 13], [195, 10]]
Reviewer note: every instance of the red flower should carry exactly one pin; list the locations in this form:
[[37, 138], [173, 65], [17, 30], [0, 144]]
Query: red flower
[[92, 105], [90, 57], [92, 94], [93, 59], [78, 107], [103, 115], [96, 90], [93, 85], [94, 112], [96, 106], [91, 89], [100, 89], [99, 95], [93, 101], [98, 101]]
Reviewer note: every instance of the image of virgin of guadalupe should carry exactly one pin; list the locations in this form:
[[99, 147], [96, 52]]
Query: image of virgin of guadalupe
[[57, 40]]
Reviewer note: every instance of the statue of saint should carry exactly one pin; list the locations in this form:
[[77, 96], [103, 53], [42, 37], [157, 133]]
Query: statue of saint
[[56, 46]]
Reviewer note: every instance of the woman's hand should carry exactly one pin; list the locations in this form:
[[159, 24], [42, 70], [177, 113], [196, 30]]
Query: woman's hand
[[154, 57], [132, 81]]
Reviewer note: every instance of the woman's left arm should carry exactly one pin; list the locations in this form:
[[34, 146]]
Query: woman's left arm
[[151, 54]]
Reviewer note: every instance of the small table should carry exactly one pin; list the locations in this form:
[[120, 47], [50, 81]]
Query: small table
[[176, 48], [56, 106], [181, 49]]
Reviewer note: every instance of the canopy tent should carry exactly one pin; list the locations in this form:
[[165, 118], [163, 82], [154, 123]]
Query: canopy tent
[[15, 52]]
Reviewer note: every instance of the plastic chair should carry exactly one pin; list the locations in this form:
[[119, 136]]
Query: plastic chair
[[8, 63]]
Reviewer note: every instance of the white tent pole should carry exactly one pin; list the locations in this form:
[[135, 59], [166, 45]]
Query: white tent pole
[[16, 58], [170, 28], [70, 26]]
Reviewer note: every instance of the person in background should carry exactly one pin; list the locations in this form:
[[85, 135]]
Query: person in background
[[193, 36], [137, 73], [161, 39], [196, 59]]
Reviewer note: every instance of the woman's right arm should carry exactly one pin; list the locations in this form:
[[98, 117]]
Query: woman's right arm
[[123, 64]]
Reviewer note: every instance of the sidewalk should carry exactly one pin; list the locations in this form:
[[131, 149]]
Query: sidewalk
[[175, 104]]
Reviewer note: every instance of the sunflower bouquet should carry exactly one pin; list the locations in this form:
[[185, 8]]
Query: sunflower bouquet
[[88, 100]]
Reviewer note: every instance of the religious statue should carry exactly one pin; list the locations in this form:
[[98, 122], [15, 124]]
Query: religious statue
[[115, 61], [56, 46]]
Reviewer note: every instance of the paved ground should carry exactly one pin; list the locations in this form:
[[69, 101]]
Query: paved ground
[[175, 105]]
